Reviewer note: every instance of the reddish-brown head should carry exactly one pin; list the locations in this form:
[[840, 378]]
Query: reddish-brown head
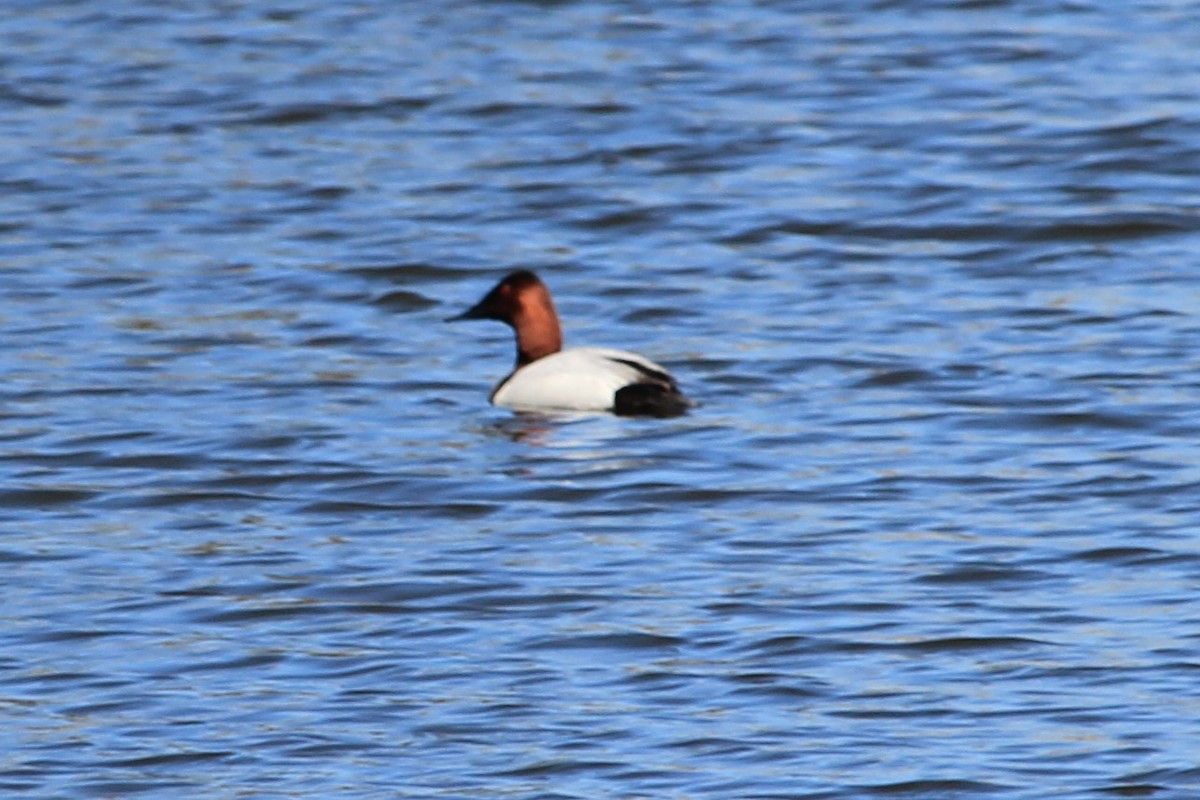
[[522, 301]]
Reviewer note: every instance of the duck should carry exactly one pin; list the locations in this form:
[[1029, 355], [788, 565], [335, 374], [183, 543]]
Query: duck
[[548, 378]]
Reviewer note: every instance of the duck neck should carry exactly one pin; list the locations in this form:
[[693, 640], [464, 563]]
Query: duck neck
[[538, 331]]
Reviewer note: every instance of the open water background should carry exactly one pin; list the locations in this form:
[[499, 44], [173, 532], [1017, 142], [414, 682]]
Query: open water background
[[930, 267]]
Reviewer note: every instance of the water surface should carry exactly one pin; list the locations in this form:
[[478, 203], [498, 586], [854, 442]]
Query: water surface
[[929, 269]]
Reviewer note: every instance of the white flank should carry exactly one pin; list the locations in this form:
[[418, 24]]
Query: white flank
[[579, 379]]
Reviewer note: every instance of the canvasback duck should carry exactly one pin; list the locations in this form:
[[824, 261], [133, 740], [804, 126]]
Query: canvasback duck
[[579, 379]]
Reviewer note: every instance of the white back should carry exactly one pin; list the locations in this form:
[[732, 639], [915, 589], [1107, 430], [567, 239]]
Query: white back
[[579, 379]]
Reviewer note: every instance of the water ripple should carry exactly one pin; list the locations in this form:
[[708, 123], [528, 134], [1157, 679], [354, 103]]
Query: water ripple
[[928, 269]]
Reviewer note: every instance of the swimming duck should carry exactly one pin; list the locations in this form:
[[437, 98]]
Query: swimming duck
[[546, 377]]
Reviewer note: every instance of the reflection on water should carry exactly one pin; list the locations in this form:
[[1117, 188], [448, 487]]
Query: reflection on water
[[929, 271]]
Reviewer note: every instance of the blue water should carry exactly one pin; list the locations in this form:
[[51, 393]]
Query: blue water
[[930, 270]]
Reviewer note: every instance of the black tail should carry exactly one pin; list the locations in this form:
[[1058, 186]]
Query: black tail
[[650, 400]]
